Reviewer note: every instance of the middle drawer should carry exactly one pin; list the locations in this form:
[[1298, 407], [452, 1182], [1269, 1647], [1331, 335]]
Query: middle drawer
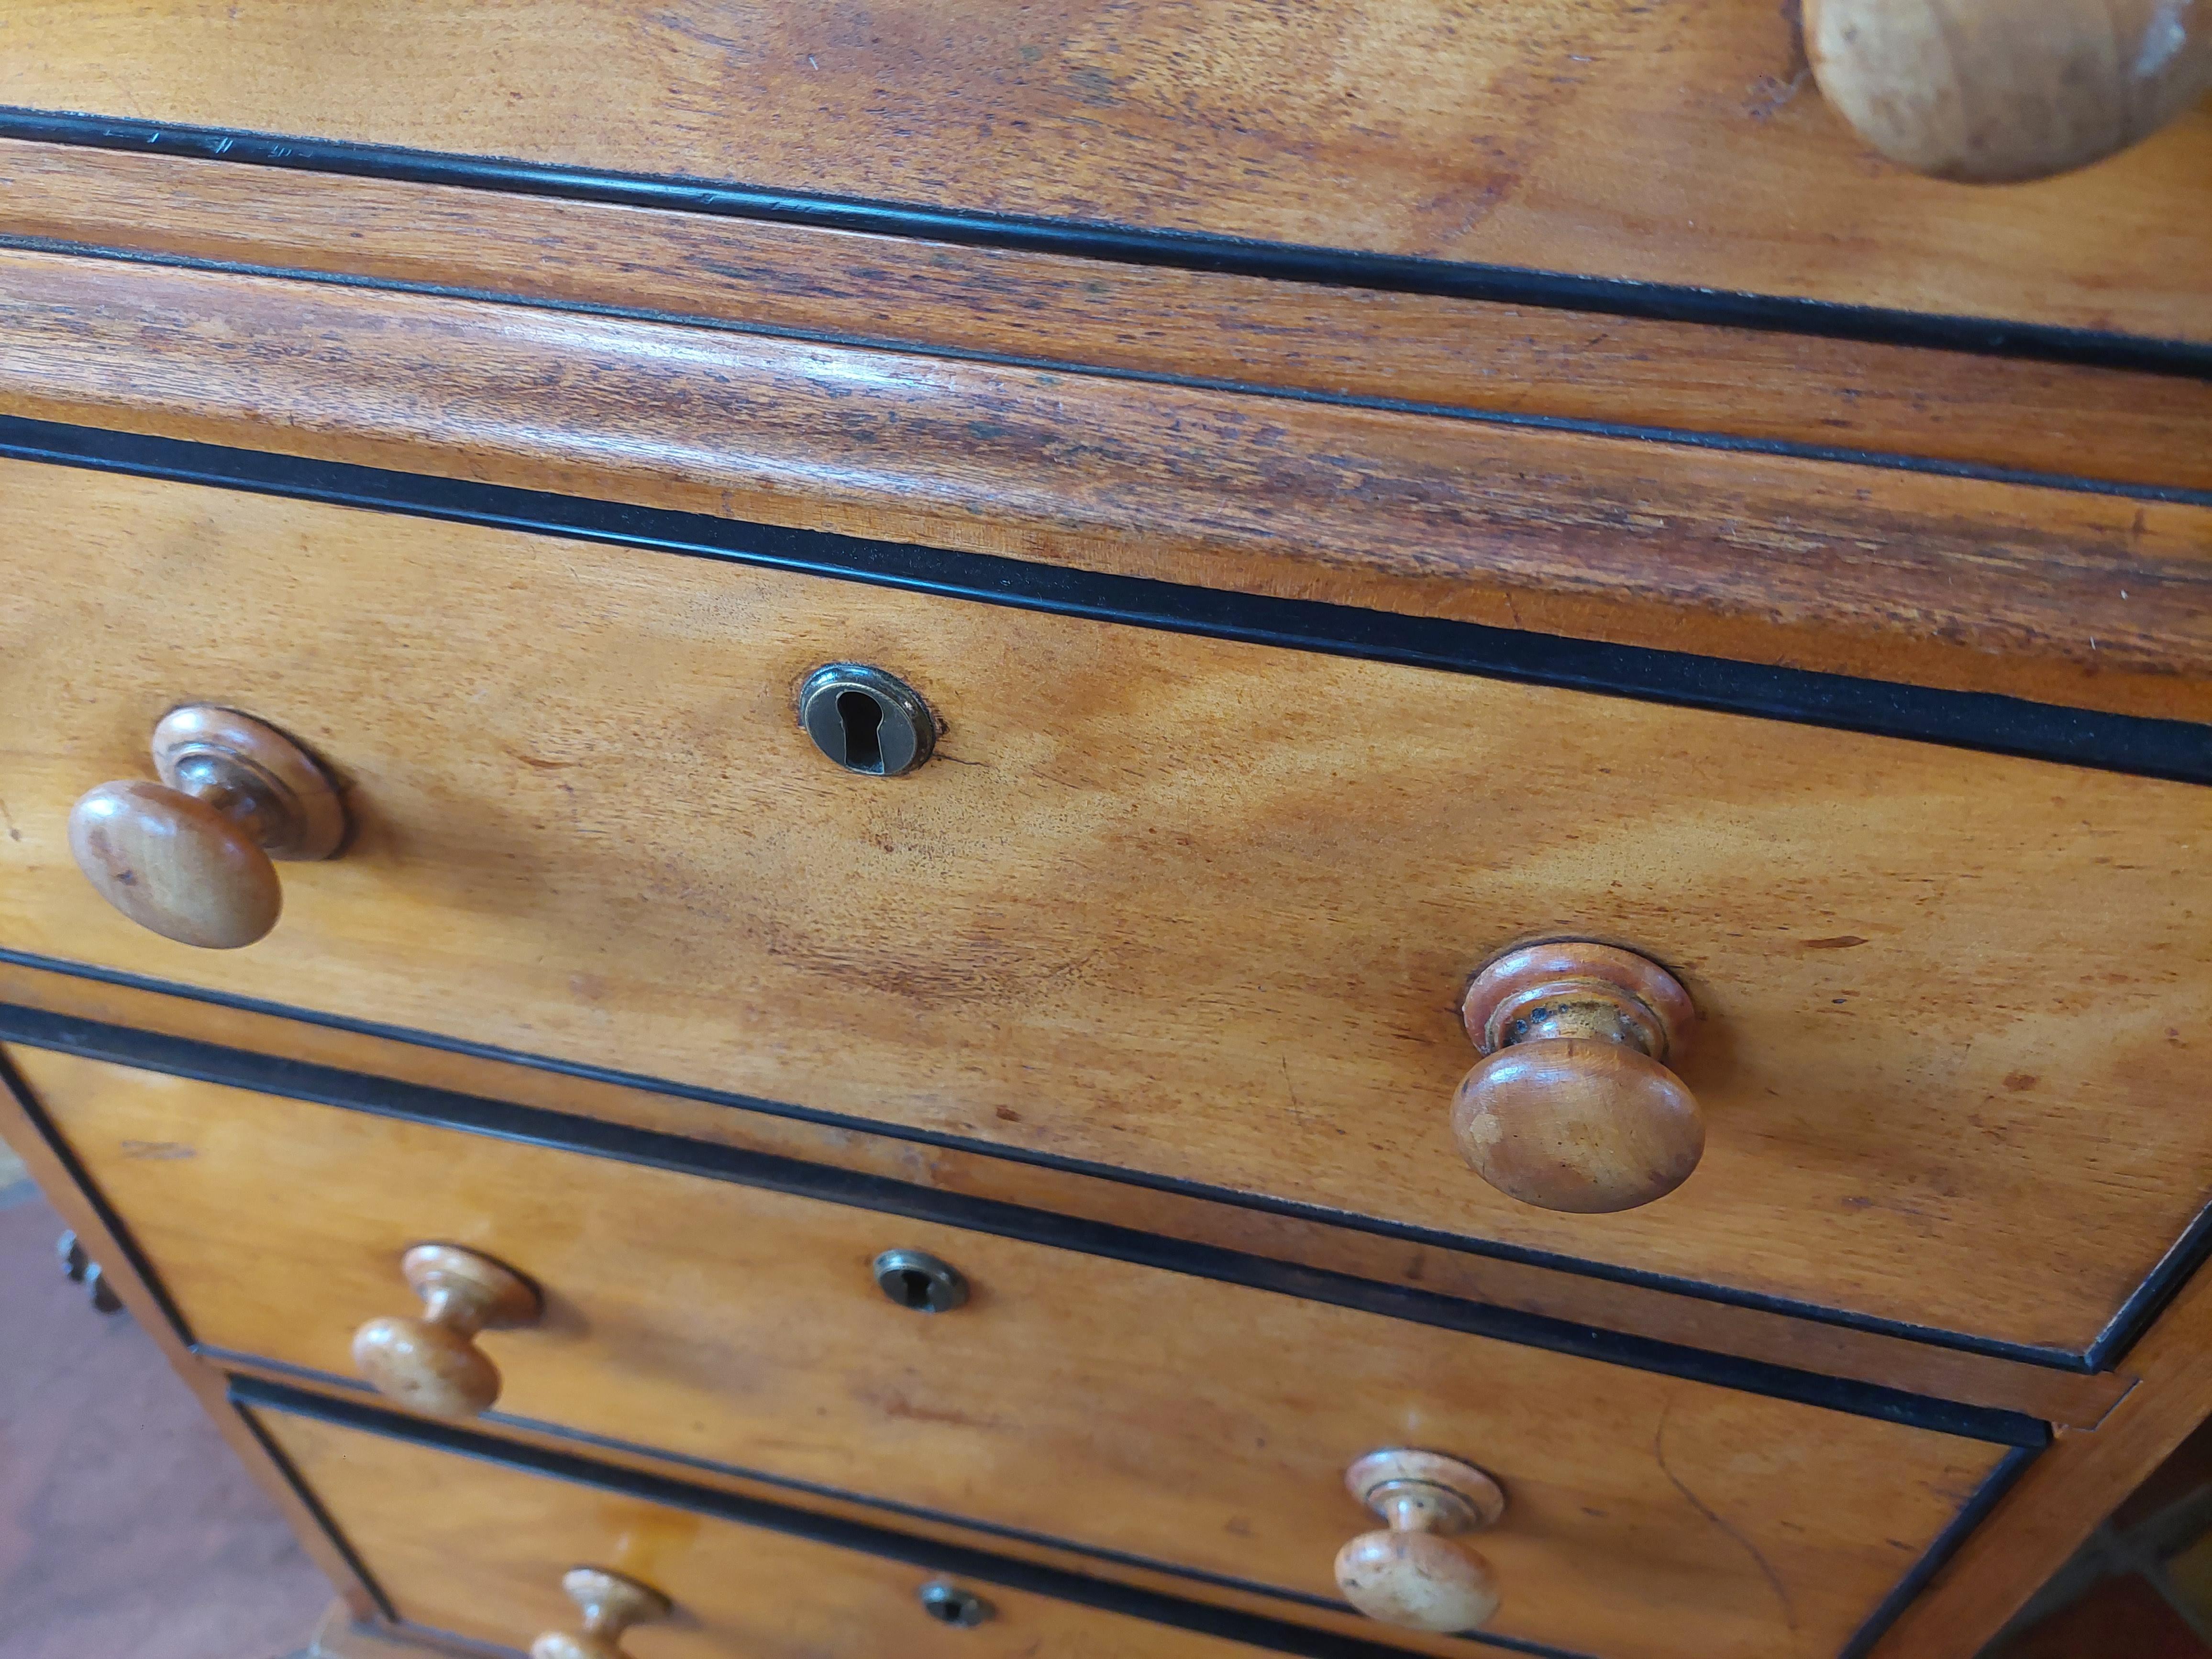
[[1201, 1426]]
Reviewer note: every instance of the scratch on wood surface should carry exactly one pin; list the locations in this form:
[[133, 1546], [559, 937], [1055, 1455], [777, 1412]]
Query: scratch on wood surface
[[1773, 1578]]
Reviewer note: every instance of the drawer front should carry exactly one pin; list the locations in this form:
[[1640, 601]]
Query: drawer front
[[1197, 909], [476, 1548], [1678, 144], [1190, 1423]]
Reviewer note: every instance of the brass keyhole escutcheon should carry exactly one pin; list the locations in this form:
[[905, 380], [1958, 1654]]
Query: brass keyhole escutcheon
[[866, 721]]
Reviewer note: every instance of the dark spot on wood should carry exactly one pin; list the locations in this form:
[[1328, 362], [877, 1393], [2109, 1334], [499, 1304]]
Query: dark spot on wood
[[1840, 942], [2016, 1081]]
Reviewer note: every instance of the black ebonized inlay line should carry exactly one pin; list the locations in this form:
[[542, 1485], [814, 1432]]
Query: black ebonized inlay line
[[930, 1555], [2000, 1482], [314, 1506], [539, 1126], [1478, 415], [581, 1441], [11, 1080], [1127, 245], [2173, 1268], [257, 1393], [2177, 750]]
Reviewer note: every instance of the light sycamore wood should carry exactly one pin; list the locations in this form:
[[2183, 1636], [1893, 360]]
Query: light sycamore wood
[[2060, 595], [2067, 1397], [1186, 1422], [1672, 143], [485, 1562], [1948, 997], [2060, 418]]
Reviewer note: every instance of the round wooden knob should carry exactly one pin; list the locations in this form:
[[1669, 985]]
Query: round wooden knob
[[189, 857], [1414, 1573], [1573, 1107], [1998, 91], [610, 1604], [432, 1364]]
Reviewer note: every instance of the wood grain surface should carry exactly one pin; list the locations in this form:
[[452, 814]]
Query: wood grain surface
[[2063, 596], [1201, 1426], [1163, 903], [1678, 144], [342, 1639], [2069, 1491], [2071, 1398], [485, 1562], [1514, 361]]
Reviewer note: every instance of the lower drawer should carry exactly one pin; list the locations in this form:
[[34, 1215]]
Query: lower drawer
[[468, 1546], [1199, 1426]]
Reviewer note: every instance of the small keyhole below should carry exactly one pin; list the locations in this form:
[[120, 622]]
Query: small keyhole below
[[914, 1289], [862, 717]]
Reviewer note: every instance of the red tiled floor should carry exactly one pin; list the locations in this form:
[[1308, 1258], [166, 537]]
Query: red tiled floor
[[127, 1530], [2120, 1617]]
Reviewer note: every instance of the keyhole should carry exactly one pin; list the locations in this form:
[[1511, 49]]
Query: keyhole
[[866, 721], [862, 717], [920, 1282]]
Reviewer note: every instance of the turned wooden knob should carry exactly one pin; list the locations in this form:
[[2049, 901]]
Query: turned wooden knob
[[1574, 1108], [1997, 91], [610, 1604], [432, 1364], [1413, 1572], [189, 857]]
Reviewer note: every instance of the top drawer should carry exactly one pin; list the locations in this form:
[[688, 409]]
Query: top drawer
[[1678, 144], [1194, 909]]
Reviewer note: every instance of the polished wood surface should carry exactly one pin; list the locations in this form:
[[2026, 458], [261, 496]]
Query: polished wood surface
[[589, 826], [1585, 1126], [1670, 144], [432, 1364], [1186, 1422], [2059, 595], [1508, 360], [2069, 1491], [486, 1562], [2071, 1398], [1996, 92], [175, 864], [1572, 1106]]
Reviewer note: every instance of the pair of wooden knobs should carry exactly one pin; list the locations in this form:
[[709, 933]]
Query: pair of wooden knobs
[[1412, 1572], [2002, 91], [1574, 1107]]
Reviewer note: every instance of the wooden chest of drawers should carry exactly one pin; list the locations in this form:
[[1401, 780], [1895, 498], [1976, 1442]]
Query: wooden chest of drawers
[[1152, 830]]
